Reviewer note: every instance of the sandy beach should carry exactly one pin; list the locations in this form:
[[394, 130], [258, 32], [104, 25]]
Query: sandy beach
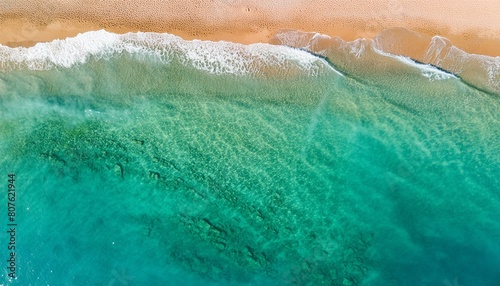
[[24, 24]]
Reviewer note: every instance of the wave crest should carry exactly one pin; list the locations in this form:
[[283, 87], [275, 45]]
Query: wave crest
[[212, 57], [435, 57]]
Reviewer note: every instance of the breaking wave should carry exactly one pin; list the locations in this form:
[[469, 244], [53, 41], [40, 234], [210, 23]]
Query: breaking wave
[[435, 57], [212, 57]]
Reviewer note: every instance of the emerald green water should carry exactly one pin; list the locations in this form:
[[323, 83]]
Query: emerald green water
[[133, 172]]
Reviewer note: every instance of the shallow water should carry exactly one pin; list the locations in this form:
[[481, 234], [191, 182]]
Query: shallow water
[[136, 171]]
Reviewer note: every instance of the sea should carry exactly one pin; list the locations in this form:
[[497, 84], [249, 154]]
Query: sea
[[145, 159]]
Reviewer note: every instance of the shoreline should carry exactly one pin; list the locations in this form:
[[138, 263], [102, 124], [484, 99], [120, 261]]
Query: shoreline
[[464, 50], [249, 22]]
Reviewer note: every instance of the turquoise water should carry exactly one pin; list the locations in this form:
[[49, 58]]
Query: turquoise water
[[133, 171]]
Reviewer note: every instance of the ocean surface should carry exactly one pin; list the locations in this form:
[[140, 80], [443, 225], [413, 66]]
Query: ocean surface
[[144, 159]]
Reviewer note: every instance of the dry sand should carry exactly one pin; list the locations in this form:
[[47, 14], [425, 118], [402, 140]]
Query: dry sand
[[473, 27]]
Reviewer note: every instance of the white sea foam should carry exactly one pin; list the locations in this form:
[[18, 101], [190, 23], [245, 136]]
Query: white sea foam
[[492, 65], [437, 47], [442, 53], [427, 70], [295, 38], [305, 41], [440, 56], [212, 57], [357, 47]]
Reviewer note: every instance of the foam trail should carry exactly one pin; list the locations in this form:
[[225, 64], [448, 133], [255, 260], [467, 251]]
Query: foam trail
[[305, 41], [428, 71], [211, 57], [478, 70], [433, 56], [333, 69]]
